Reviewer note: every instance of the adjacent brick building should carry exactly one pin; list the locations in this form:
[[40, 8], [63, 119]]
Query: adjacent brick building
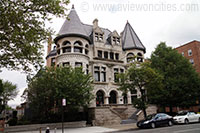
[[191, 51]]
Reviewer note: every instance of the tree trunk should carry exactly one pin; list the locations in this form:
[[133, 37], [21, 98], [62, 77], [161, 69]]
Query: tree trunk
[[145, 113], [170, 109]]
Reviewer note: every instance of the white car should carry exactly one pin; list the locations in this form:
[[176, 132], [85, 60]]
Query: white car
[[186, 117]]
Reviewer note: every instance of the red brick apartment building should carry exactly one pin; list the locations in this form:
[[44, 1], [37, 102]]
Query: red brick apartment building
[[191, 51]]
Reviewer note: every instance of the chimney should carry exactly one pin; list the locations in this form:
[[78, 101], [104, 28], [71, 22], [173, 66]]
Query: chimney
[[49, 45], [95, 23]]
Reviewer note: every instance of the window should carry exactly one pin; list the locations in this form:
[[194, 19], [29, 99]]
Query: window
[[111, 55], [65, 64], [66, 49], [98, 37], [103, 74], [100, 74], [116, 56], [106, 55], [78, 43], [189, 52], [78, 64], [182, 53], [130, 57], [139, 57], [99, 54], [66, 43], [86, 51], [116, 40], [97, 73], [101, 37], [191, 61], [116, 71], [77, 49], [87, 69]]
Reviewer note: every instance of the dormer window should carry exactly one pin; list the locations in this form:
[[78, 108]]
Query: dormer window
[[116, 40], [98, 37]]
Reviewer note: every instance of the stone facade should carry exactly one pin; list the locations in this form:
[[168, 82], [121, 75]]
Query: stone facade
[[103, 54]]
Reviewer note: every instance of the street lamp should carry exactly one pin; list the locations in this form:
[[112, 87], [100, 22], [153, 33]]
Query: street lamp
[[63, 104]]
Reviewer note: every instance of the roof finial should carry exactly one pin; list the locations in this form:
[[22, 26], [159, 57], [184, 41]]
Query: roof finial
[[72, 6], [127, 21]]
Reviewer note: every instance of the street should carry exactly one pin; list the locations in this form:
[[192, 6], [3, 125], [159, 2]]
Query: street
[[190, 128]]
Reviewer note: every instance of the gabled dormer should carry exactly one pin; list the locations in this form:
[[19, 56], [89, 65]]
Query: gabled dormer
[[98, 34], [114, 38]]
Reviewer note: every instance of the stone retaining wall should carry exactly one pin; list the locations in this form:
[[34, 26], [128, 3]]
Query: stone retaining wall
[[109, 115], [37, 127]]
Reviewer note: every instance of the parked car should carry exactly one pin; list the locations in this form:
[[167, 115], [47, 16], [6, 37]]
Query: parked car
[[155, 120], [186, 117]]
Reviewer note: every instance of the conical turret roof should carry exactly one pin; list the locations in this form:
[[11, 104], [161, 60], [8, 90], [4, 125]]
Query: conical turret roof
[[72, 27], [130, 40]]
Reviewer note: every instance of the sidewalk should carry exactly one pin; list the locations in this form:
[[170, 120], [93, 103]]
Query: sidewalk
[[95, 129]]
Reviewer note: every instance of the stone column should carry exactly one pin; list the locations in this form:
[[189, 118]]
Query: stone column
[[129, 98], [106, 100]]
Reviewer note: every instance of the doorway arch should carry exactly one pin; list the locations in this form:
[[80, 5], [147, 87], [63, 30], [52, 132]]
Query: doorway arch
[[113, 97], [99, 98]]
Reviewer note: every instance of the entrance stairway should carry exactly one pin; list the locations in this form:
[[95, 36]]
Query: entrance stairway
[[132, 119]]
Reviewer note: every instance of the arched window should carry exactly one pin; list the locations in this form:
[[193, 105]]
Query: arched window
[[139, 57], [66, 49], [130, 57], [66, 43], [113, 97], [78, 43], [78, 47], [99, 98]]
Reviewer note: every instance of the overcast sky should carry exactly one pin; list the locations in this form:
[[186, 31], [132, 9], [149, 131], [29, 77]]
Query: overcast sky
[[175, 22]]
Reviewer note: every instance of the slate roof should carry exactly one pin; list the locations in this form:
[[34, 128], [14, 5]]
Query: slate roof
[[74, 27], [130, 40]]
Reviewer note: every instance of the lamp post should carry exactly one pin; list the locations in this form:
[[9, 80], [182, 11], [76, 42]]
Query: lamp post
[[63, 104]]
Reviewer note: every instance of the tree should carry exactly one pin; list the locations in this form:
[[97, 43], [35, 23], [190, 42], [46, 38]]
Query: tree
[[142, 78], [181, 83], [51, 85], [9, 93], [22, 30]]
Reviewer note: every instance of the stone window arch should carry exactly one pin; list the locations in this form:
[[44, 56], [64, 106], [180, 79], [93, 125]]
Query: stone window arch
[[113, 97], [78, 47], [139, 57], [66, 43], [66, 47], [130, 57], [100, 98]]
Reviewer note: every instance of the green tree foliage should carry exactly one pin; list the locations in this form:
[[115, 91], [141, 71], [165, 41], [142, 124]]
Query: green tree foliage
[[181, 83], [143, 78], [51, 85], [22, 30], [9, 93]]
